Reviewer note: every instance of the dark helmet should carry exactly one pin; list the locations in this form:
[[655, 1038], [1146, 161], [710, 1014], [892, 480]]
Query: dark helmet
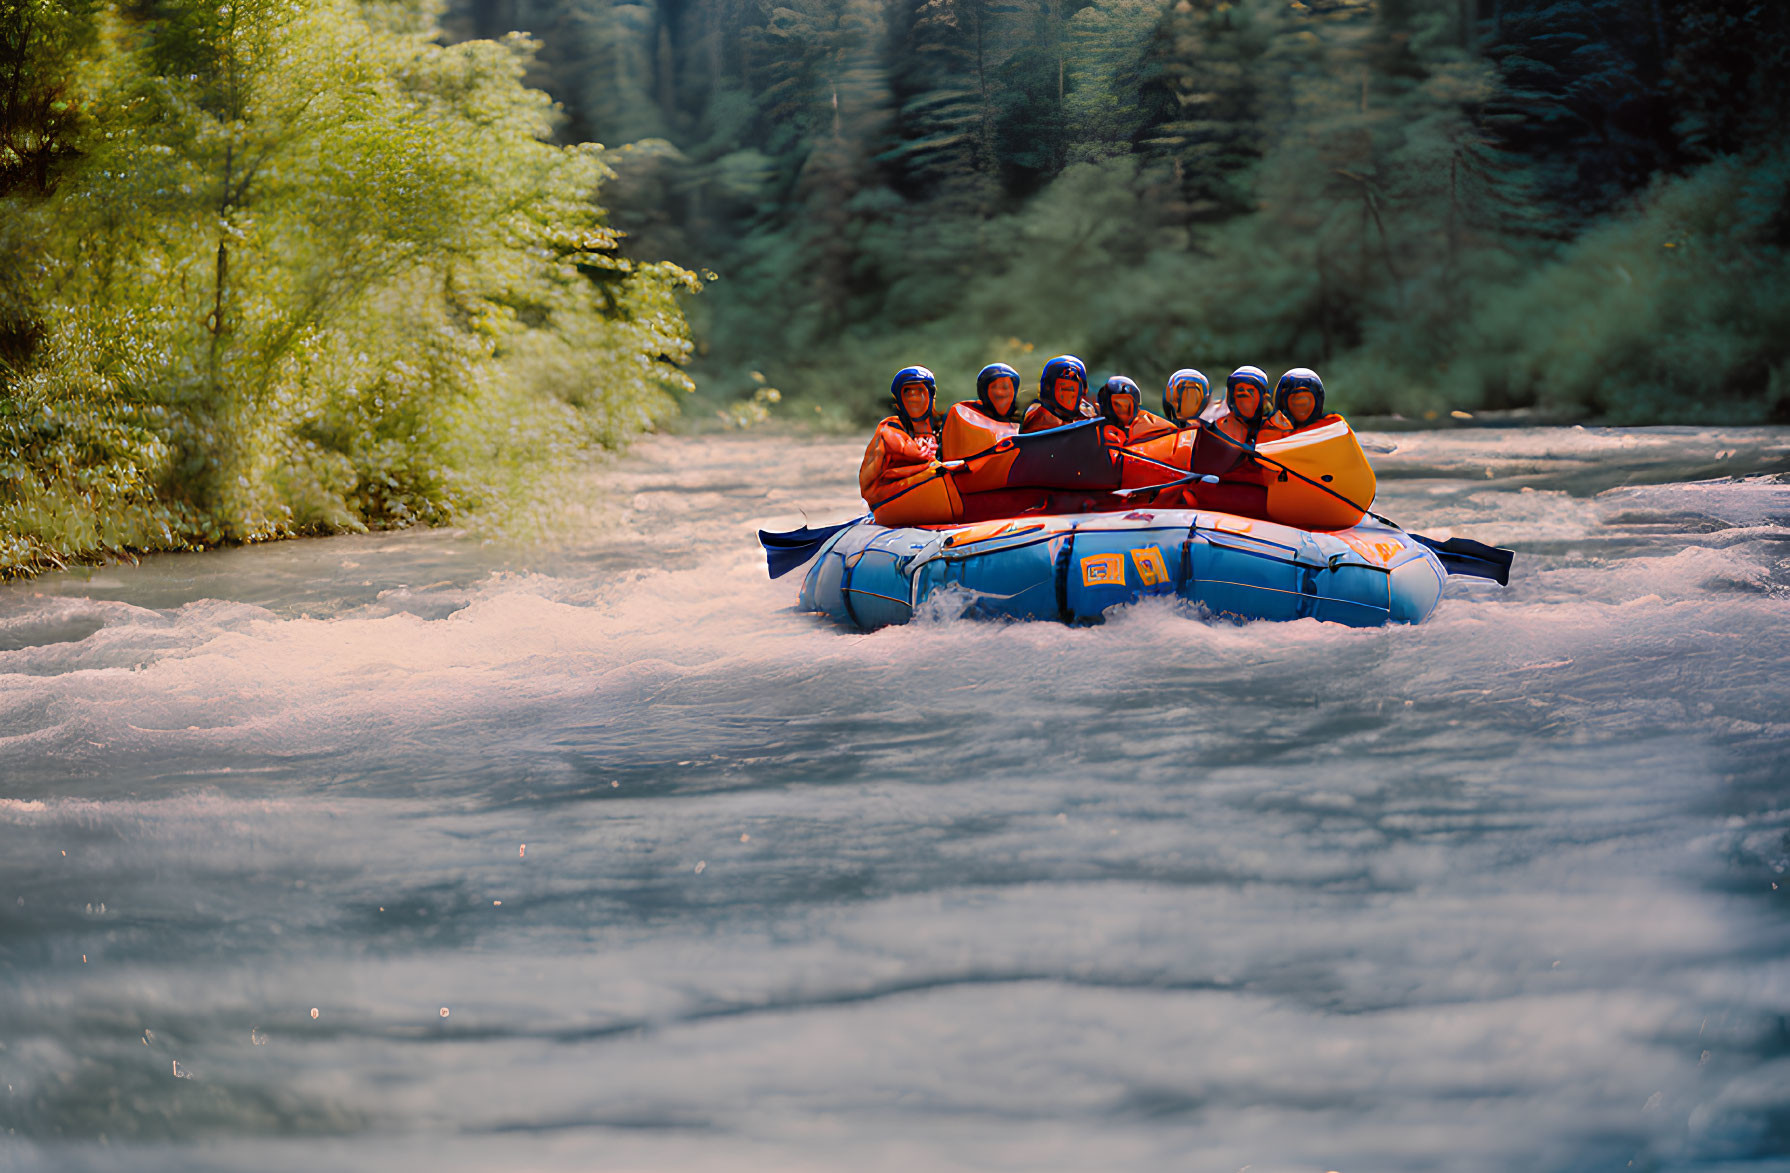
[[1056, 368], [1299, 379], [1063, 364], [1255, 377], [1118, 385], [912, 375], [1185, 375], [987, 375]]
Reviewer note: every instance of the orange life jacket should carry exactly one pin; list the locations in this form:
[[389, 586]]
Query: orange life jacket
[[1042, 415], [893, 456], [1146, 425], [1316, 422], [969, 429], [1248, 470], [1273, 428]]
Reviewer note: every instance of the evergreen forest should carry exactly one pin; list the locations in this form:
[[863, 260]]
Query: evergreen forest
[[271, 267], [1579, 207]]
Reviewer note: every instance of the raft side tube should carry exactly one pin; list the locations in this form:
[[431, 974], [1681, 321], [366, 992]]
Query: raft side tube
[[1076, 568], [1106, 567], [859, 577], [1005, 579], [1417, 587], [876, 587]]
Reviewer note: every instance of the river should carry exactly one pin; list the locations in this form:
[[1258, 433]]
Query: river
[[424, 850]]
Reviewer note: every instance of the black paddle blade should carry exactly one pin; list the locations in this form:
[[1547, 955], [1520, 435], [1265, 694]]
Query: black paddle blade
[[1069, 457], [1466, 556], [783, 552], [1214, 452]]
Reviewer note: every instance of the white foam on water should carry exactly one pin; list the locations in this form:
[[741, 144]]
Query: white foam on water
[[978, 894]]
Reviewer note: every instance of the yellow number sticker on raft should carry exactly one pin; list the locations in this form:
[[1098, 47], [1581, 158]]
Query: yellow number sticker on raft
[[1103, 570], [1150, 566]]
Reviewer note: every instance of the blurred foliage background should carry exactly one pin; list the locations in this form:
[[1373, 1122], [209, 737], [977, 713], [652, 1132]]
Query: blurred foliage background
[[282, 266], [1575, 206]]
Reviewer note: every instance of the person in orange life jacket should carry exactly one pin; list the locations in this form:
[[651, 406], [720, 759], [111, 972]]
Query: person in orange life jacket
[[1144, 425], [1062, 395], [995, 410], [1299, 397], [1121, 406], [1251, 419], [1117, 403], [1186, 396], [903, 444]]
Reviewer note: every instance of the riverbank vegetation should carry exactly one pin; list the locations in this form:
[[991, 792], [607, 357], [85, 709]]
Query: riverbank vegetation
[[1580, 206], [282, 266]]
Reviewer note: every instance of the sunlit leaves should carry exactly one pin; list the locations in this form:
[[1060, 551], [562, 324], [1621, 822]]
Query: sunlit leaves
[[315, 273]]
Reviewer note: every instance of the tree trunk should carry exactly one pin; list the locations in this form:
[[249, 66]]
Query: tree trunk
[[216, 324], [1323, 306], [665, 76], [217, 300]]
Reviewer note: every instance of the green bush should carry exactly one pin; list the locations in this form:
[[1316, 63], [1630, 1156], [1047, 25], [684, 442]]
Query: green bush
[[306, 269], [1672, 312]]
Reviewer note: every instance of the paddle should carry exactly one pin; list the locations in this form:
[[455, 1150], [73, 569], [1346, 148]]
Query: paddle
[[1457, 555], [1072, 456], [1466, 556], [784, 551], [1202, 478]]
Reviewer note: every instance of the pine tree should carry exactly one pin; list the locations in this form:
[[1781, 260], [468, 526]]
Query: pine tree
[[1582, 99], [1206, 93]]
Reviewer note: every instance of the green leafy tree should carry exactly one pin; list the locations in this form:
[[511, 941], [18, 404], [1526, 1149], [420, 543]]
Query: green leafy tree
[[316, 271]]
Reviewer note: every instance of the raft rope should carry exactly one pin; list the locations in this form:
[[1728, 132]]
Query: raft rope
[[948, 466], [936, 474], [1250, 451], [1463, 555]]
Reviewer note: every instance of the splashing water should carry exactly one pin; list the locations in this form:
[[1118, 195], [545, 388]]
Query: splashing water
[[710, 884]]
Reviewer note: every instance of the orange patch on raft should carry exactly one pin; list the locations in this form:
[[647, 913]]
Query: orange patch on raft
[[1150, 566], [1379, 551], [1103, 570]]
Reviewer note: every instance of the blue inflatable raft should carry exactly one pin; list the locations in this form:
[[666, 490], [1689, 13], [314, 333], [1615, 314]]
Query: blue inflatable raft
[[1073, 568]]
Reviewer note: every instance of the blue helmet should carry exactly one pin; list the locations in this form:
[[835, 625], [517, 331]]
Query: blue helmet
[[912, 375], [1056, 368], [1255, 377], [1299, 379], [1063, 364], [1118, 385], [1185, 375], [987, 375]]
